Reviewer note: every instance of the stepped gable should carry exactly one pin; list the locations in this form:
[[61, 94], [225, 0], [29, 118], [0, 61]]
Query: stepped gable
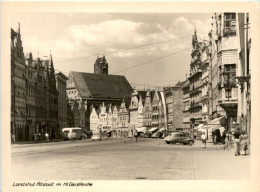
[[141, 93], [92, 85]]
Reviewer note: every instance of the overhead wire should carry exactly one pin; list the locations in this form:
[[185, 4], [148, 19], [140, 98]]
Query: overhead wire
[[126, 49], [158, 58]]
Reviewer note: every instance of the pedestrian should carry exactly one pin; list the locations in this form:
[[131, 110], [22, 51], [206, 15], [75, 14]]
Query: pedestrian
[[244, 142], [224, 136], [13, 138], [35, 137], [40, 136], [237, 142], [204, 140], [47, 136], [227, 141], [135, 135]]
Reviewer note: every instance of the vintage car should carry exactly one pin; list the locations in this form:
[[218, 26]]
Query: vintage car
[[179, 137]]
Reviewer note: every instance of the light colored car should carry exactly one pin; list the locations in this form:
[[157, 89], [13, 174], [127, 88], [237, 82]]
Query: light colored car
[[96, 136], [179, 137], [72, 133]]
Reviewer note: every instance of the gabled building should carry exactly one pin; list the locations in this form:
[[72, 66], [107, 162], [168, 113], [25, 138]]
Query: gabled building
[[94, 89], [103, 123], [140, 112], [123, 116], [133, 111], [94, 121], [115, 120], [147, 109], [155, 109], [195, 111], [19, 125], [109, 118]]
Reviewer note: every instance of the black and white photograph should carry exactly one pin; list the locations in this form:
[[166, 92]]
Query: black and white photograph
[[129, 95]]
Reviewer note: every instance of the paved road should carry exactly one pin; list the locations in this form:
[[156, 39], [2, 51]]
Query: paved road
[[124, 159]]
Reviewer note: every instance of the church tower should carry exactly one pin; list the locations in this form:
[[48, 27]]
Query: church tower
[[101, 66]]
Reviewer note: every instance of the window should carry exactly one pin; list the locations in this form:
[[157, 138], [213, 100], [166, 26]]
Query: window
[[229, 75], [230, 24]]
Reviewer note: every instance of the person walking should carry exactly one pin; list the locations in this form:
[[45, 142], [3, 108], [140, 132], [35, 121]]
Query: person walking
[[35, 137], [204, 140], [244, 142], [135, 135], [237, 142], [227, 141], [13, 138], [47, 136]]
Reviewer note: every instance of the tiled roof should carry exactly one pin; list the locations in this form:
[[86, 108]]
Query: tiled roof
[[92, 85]]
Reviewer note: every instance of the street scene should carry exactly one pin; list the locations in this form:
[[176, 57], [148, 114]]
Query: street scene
[[130, 96], [125, 159]]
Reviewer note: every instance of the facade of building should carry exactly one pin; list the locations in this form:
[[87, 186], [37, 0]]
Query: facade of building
[[34, 96], [18, 88], [140, 112], [244, 76], [133, 111], [205, 57], [123, 116], [115, 120], [103, 118], [147, 110], [94, 121], [62, 99], [186, 104], [169, 106], [109, 118], [177, 108], [226, 36], [89, 89], [195, 111], [155, 109]]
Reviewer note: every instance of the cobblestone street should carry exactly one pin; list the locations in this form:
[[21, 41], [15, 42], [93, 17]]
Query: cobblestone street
[[124, 159]]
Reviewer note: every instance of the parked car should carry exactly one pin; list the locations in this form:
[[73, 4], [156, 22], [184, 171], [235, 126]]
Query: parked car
[[157, 135], [96, 136], [179, 137], [72, 133]]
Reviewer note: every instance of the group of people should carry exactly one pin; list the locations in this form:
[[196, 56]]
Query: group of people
[[240, 140], [38, 137]]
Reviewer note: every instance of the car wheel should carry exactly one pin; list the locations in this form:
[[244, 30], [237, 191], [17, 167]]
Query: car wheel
[[190, 143], [167, 142]]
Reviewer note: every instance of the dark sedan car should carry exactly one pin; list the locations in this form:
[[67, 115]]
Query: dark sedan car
[[179, 137]]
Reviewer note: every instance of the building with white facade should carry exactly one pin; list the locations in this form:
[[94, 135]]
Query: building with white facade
[[94, 121]]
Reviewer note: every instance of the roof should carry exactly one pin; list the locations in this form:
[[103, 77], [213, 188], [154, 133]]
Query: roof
[[143, 95], [92, 85], [186, 84]]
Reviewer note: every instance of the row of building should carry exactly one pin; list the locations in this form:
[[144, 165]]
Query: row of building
[[216, 92], [38, 95]]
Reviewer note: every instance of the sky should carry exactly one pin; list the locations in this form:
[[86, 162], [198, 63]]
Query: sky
[[135, 45]]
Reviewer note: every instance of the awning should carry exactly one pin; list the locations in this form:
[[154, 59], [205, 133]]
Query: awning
[[141, 129], [199, 126], [161, 129], [152, 129]]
